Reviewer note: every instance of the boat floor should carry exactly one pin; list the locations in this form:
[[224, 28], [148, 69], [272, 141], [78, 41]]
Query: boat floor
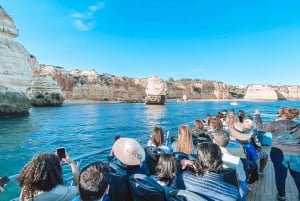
[[265, 188]]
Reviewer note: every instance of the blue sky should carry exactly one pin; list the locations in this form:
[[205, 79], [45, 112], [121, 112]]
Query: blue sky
[[237, 42]]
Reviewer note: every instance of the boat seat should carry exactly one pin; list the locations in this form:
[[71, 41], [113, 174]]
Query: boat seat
[[143, 188], [183, 195], [230, 176], [119, 189]]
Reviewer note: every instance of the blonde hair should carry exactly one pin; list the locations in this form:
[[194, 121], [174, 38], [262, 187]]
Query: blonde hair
[[185, 141]]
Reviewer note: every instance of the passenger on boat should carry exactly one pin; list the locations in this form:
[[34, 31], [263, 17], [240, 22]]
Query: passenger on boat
[[241, 115], [198, 133], [239, 145], [221, 138], [166, 171], [41, 179], [184, 143], [285, 150], [157, 140], [198, 129], [206, 121], [207, 179], [215, 124], [262, 155], [129, 155], [93, 182]]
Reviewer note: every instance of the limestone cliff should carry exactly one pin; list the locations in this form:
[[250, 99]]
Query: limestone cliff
[[15, 70], [288, 92], [88, 84], [260, 92], [197, 90]]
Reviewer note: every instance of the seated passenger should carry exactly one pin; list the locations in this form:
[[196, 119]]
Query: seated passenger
[[184, 143], [239, 145], [93, 183], [221, 138], [166, 170], [129, 155], [206, 121], [157, 139], [41, 179], [215, 124], [207, 178], [198, 133]]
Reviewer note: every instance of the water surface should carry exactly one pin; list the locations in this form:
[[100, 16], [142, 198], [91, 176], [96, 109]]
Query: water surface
[[84, 128]]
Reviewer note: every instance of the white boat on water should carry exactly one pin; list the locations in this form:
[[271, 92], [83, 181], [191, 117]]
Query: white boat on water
[[234, 103]]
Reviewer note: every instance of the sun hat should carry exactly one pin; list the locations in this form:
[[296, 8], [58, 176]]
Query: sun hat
[[128, 151], [240, 132]]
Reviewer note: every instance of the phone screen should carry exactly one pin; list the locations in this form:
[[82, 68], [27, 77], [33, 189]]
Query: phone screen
[[4, 180], [61, 153]]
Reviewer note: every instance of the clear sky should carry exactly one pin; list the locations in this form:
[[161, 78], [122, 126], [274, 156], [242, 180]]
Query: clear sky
[[237, 42]]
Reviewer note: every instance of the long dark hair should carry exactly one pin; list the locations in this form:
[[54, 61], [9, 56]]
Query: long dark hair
[[42, 173], [157, 136], [209, 159], [166, 168]]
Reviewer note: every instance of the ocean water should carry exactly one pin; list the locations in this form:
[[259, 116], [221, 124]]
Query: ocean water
[[89, 127]]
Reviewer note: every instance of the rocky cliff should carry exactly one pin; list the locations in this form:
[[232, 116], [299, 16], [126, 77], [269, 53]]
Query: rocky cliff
[[268, 92], [15, 70], [88, 84]]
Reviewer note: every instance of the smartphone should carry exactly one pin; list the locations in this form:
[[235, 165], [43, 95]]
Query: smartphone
[[61, 152], [4, 180]]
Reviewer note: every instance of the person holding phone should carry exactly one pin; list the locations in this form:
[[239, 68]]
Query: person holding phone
[[41, 179]]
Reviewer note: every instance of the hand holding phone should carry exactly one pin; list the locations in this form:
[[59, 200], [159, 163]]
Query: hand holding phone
[[4, 180], [61, 152]]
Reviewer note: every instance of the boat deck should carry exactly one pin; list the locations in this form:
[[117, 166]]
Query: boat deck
[[265, 188]]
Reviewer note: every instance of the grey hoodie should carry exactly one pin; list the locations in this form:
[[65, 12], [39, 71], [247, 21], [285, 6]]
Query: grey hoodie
[[289, 143]]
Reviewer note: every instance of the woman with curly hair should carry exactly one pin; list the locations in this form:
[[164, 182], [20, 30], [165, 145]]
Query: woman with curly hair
[[41, 179]]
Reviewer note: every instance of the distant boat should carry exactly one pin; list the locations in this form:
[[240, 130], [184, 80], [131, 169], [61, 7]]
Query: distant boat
[[233, 103]]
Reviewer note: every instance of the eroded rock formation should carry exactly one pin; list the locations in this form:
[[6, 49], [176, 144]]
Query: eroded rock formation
[[45, 92], [156, 91], [14, 102]]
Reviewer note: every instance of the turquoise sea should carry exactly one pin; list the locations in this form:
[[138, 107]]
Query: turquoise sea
[[83, 128]]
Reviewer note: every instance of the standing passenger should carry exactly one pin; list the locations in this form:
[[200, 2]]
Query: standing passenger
[[285, 150]]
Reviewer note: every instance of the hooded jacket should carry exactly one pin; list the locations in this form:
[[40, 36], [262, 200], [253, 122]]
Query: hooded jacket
[[285, 134]]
